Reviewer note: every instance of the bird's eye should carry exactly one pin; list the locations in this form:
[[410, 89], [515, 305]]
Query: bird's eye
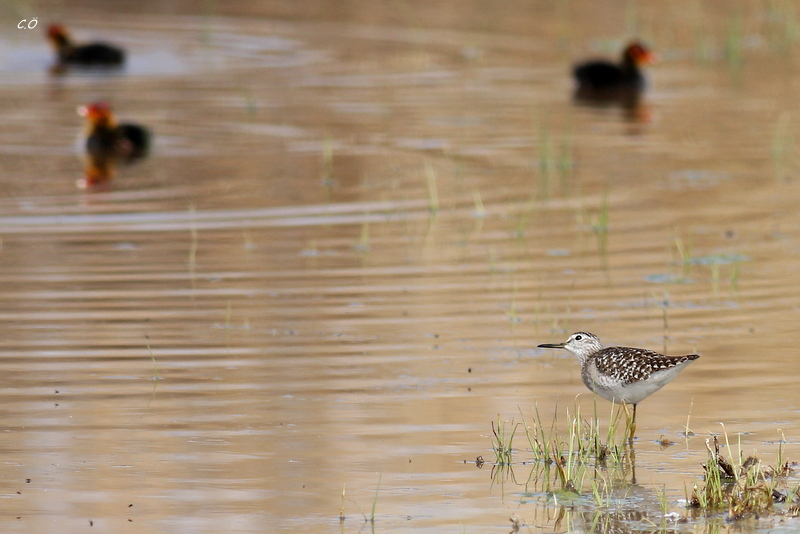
[[578, 338]]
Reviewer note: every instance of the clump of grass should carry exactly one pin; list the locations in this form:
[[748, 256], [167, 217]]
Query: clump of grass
[[536, 438], [584, 446], [742, 487], [711, 495], [502, 442]]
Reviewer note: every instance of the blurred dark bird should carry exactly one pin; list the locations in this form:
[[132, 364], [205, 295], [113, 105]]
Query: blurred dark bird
[[601, 80], [108, 142], [87, 55]]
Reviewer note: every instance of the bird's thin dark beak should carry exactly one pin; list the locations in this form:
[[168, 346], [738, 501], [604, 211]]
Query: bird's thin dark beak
[[552, 345]]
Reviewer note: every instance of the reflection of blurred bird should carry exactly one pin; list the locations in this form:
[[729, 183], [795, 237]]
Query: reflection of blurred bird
[[108, 142], [603, 80], [92, 54]]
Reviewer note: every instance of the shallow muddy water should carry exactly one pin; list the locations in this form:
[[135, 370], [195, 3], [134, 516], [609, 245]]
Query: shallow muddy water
[[357, 223]]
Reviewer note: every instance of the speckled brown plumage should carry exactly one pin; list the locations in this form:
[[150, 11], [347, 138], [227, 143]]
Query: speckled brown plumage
[[628, 364]]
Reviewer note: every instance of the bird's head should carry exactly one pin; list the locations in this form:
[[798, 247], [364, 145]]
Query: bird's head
[[581, 344], [98, 114], [640, 55]]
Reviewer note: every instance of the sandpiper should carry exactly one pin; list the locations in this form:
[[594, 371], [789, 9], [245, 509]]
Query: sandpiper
[[622, 374]]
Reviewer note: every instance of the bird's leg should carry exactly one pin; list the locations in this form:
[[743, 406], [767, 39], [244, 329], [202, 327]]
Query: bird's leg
[[633, 426]]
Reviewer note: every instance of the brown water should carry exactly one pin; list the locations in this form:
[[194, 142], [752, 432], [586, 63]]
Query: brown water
[[267, 310]]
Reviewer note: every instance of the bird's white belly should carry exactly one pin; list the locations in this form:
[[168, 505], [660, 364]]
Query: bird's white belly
[[633, 393]]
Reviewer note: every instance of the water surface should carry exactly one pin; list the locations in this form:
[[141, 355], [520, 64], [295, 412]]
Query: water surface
[[356, 225]]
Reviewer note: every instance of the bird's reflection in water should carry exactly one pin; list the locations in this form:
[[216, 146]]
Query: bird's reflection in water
[[629, 102]]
